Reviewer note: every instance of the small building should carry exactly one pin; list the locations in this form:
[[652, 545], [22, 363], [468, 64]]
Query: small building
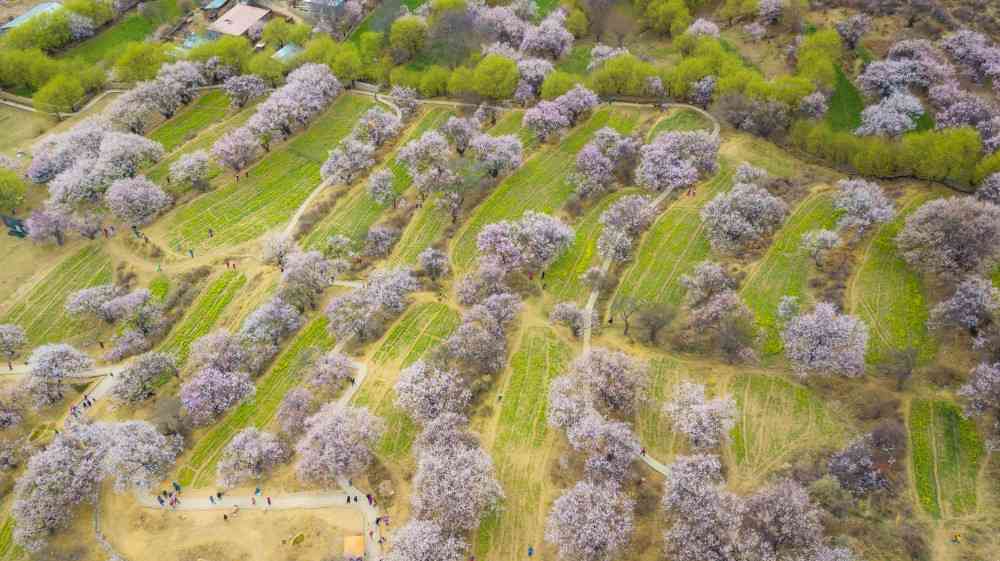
[[285, 54], [38, 9], [316, 7], [239, 19], [212, 7]]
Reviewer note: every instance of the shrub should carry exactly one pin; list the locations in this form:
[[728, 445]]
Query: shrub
[[495, 77], [61, 93]]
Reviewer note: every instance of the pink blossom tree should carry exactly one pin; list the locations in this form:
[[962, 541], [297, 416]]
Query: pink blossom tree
[[236, 149], [864, 205], [337, 443], [677, 159], [497, 154], [377, 126], [548, 39], [852, 29], [136, 201], [545, 119], [576, 103], [330, 369], [295, 408], [434, 262], [191, 169], [406, 100], [455, 487], [380, 240], [250, 456], [135, 383], [951, 237], [423, 540], [347, 161], [48, 366], [272, 322], [590, 522], [277, 249], [622, 223], [989, 189], [425, 392], [574, 317], [137, 455], [381, 187], [892, 116], [594, 171], [826, 341], [306, 275], [243, 88], [981, 393], [460, 131], [12, 340], [210, 393], [219, 350], [973, 306], [705, 422], [616, 380], [93, 301], [742, 217]]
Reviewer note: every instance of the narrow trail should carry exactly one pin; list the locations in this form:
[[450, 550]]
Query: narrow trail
[[595, 293]]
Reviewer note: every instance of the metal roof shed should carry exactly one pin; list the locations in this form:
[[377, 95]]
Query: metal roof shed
[[238, 20]]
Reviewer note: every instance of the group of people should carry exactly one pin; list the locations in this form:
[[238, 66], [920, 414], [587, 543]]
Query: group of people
[[170, 498], [77, 409]]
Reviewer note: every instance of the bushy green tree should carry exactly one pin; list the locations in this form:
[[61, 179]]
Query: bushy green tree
[[47, 31], [624, 74], [279, 32], [371, 43], [346, 63], [558, 83], [28, 69], [670, 17], [408, 37], [99, 11], [496, 77], [434, 81], [12, 189], [461, 82], [232, 51], [140, 61], [60, 94], [264, 64], [819, 55]]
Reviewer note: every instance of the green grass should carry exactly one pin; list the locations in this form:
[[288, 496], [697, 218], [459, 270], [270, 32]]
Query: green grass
[[111, 41], [925, 122], [542, 184], [784, 269], [259, 410], [945, 452], [203, 141], [20, 126], [778, 420], [890, 297], [517, 444], [422, 328], [846, 104], [9, 550], [431, 220], [207, 110], [40, 312], [651, 426], [563, 277], [680, 120], [672, 247], [577, 61], [159, 287], [356, 212], [203, 314], [278, 184]]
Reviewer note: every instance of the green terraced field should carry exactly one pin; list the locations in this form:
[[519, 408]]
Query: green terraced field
[[784, 269], [541, 184], [413, 336], [259, 410], [9, 551], [430, 221], [846, 104], [778, 420], [204, 141], [563, 277], [40, 312], [203, 314], [210, 108], [652, 428], [889, 296], [519, 432], [672, 247], [277, 185], [356, 212], [680, 119], [945, 454]]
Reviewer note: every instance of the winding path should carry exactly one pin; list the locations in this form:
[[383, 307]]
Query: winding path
[[595, 293]]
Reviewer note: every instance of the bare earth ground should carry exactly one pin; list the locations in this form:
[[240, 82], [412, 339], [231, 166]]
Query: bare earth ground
[[142, 534]]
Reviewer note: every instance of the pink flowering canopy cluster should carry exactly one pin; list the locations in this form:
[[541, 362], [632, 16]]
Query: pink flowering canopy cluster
[[406, 99], [308, 90], [249, 456], [243, 88], [497, 154], [864, 205], [591, 522], [600, 161], [743, 217], [12, 340], [892, 116], [703, 27], [825, 341], [978, 55], [210, 393], [973, 306], [337, 443], [136, 382], [479, 344], [602, 53], [675, 160], [705, 422], [911, 63], [236, 149], [136, 201], [423, 540], [549, 39], [460, 131], [527, 245], [191, 169], [362, 312], [377, 126], [348, 161], [49, 366], [425, 392], [622, 223], [952, 237], [295, 408]]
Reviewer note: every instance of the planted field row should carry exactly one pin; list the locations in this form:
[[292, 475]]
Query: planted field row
[[421, 328], [276, 186], [203, 314], [542, 184], [672, 247], [889, 296], [563, 277], [519, 432], [945, 454], [431, 220], [680, 119], [258, 410], [778, 420], [41, 311], [356, 212], [784, 268], [651, 426], [207, 110]]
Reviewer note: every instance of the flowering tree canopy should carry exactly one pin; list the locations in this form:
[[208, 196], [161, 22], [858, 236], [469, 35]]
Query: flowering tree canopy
[[743, 216], [973, 305], [951, 237], [826, 341], [136, 201], [706, 422], [455, 487], [250, 455], [210, 393], [337, 443], [135, 383], [423, 540], [425, 392], [864, 205], [48, 366], [677, 159], [590, 522]]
